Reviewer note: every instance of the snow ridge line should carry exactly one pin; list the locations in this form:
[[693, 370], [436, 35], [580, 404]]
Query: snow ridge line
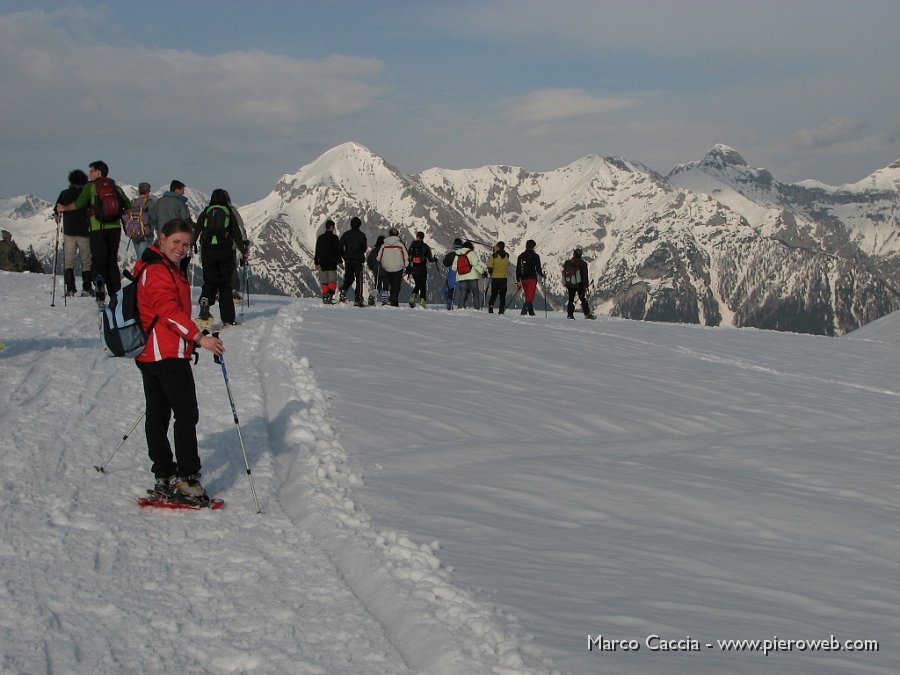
[[438, 628]]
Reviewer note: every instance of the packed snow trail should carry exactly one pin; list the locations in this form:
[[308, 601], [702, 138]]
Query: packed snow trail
[[96, 584]]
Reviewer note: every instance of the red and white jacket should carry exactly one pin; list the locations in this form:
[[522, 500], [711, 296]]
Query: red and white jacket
[[164, 293]]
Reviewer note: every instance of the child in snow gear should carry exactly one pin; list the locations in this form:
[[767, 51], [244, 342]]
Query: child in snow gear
[[419, 256], [326, 259], [215, 232], [498, 267], [164, 305], [107, 202], [575, 278], [528, 268], [353, 253]]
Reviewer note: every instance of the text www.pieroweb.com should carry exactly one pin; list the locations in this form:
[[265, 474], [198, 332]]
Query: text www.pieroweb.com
[[766, 646]]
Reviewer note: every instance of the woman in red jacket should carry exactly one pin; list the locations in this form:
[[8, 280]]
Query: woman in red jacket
[[164, 303]]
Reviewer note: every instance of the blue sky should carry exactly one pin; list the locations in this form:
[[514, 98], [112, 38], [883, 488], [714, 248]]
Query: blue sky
[[235, 94]]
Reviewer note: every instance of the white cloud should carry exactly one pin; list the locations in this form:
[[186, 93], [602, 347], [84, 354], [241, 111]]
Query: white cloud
[[556, 105], [62, 83]]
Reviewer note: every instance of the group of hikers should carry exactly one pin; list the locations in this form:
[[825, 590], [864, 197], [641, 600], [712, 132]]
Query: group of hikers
[[95, 212], [389, 260]]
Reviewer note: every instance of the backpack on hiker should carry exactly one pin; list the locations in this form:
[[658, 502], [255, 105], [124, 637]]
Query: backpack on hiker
[[418, 253], [217, 232], [107, 208], [571, 273], [137, 219], [463, 265], [122, 332]]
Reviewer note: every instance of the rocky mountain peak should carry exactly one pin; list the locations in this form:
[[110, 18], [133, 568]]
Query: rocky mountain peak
[[722, 156]]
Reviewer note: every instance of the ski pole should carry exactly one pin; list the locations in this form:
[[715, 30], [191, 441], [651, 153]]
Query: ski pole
[[55, 259], [102, 467], [544, 291], [513, 298], [247, 284], [221, 361]]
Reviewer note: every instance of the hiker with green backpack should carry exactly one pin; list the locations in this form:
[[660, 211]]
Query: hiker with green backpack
[[216, 233]]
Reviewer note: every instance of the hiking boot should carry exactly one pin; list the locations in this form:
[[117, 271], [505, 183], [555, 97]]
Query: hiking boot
[[164, 485], [490, 309], [571, 316], [413, 300], [204, 309], [188, 486], [342, 297]]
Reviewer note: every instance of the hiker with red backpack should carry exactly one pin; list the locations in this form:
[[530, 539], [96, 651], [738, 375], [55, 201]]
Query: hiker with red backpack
[[107, 203], [136, 221], [468, 270]]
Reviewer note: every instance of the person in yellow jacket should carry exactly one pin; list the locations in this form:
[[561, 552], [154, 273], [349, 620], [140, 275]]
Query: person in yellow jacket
[[498, 267], [104, 234]]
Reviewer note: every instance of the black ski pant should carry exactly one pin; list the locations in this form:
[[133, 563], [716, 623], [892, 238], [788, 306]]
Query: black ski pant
[[105, 257], [498, 290], [394, 282], [353, 272], [420, 279], [581, 296], [218, 266], [169, 389]]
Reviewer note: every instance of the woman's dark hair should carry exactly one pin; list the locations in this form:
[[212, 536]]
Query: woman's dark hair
[[78, 177], [175, 225], [220, 197]]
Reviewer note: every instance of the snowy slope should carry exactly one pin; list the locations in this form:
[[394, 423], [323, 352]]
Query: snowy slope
[[454, 492]]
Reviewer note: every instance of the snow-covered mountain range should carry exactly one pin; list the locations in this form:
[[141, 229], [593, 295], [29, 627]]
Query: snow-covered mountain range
[[714, 242]]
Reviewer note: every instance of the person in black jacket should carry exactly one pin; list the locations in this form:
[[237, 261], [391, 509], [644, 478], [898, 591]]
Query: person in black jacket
[[575, 278], [216, 232], [528, 268], [353, 253], [326, 259], [76, 229], [419, 256], [381, 281]]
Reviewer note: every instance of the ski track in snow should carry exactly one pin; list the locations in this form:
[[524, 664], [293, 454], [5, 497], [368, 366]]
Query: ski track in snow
[[95, 584]]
